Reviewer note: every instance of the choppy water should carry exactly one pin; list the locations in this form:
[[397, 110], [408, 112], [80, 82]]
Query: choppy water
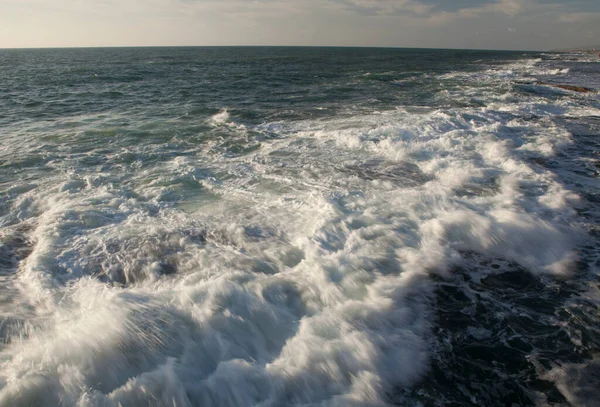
[[298, 226]]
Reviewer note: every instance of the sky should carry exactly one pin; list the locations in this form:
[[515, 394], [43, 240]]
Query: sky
[[480, 24]]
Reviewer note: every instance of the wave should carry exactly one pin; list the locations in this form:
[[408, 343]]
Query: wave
[[301, 271], [220, 118]]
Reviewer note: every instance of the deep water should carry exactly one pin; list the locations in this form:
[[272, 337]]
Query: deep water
[[298, 227]]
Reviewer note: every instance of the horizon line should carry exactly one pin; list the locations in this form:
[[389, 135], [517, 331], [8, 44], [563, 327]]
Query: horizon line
[[269, 46]]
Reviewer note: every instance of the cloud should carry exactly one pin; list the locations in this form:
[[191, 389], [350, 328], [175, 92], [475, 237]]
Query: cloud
[[537, 24], [506, 7], [386, 7], [579, 17]]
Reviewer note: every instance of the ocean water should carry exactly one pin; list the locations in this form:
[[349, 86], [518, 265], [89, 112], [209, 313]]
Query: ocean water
[[298, 227]]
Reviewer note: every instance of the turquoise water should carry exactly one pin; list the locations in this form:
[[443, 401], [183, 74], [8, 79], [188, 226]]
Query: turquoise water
[[298, 226]]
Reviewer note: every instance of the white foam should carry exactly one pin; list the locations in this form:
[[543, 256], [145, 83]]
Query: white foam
[[297, 274], [220, 118]]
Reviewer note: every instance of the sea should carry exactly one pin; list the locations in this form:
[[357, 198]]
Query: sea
[[293, 226]]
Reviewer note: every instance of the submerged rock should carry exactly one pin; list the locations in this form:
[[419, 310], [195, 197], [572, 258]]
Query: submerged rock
[[573, 88]]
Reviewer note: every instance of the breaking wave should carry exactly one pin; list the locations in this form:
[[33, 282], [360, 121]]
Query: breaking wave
[[290, 262]]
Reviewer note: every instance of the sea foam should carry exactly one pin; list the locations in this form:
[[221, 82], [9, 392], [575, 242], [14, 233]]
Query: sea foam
[[279, 263]]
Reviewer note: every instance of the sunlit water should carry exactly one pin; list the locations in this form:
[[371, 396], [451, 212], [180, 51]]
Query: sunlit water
[[298, 227]]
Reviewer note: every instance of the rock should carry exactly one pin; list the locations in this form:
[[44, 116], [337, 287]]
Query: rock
[[573, 88], [580, 89]]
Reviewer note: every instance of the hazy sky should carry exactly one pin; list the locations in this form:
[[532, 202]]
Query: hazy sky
[[502, 24]]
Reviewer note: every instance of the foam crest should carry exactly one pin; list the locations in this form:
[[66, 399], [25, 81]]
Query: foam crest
[[220, 118]]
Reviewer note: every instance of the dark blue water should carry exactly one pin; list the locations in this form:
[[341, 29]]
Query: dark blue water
[[266, 226]]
